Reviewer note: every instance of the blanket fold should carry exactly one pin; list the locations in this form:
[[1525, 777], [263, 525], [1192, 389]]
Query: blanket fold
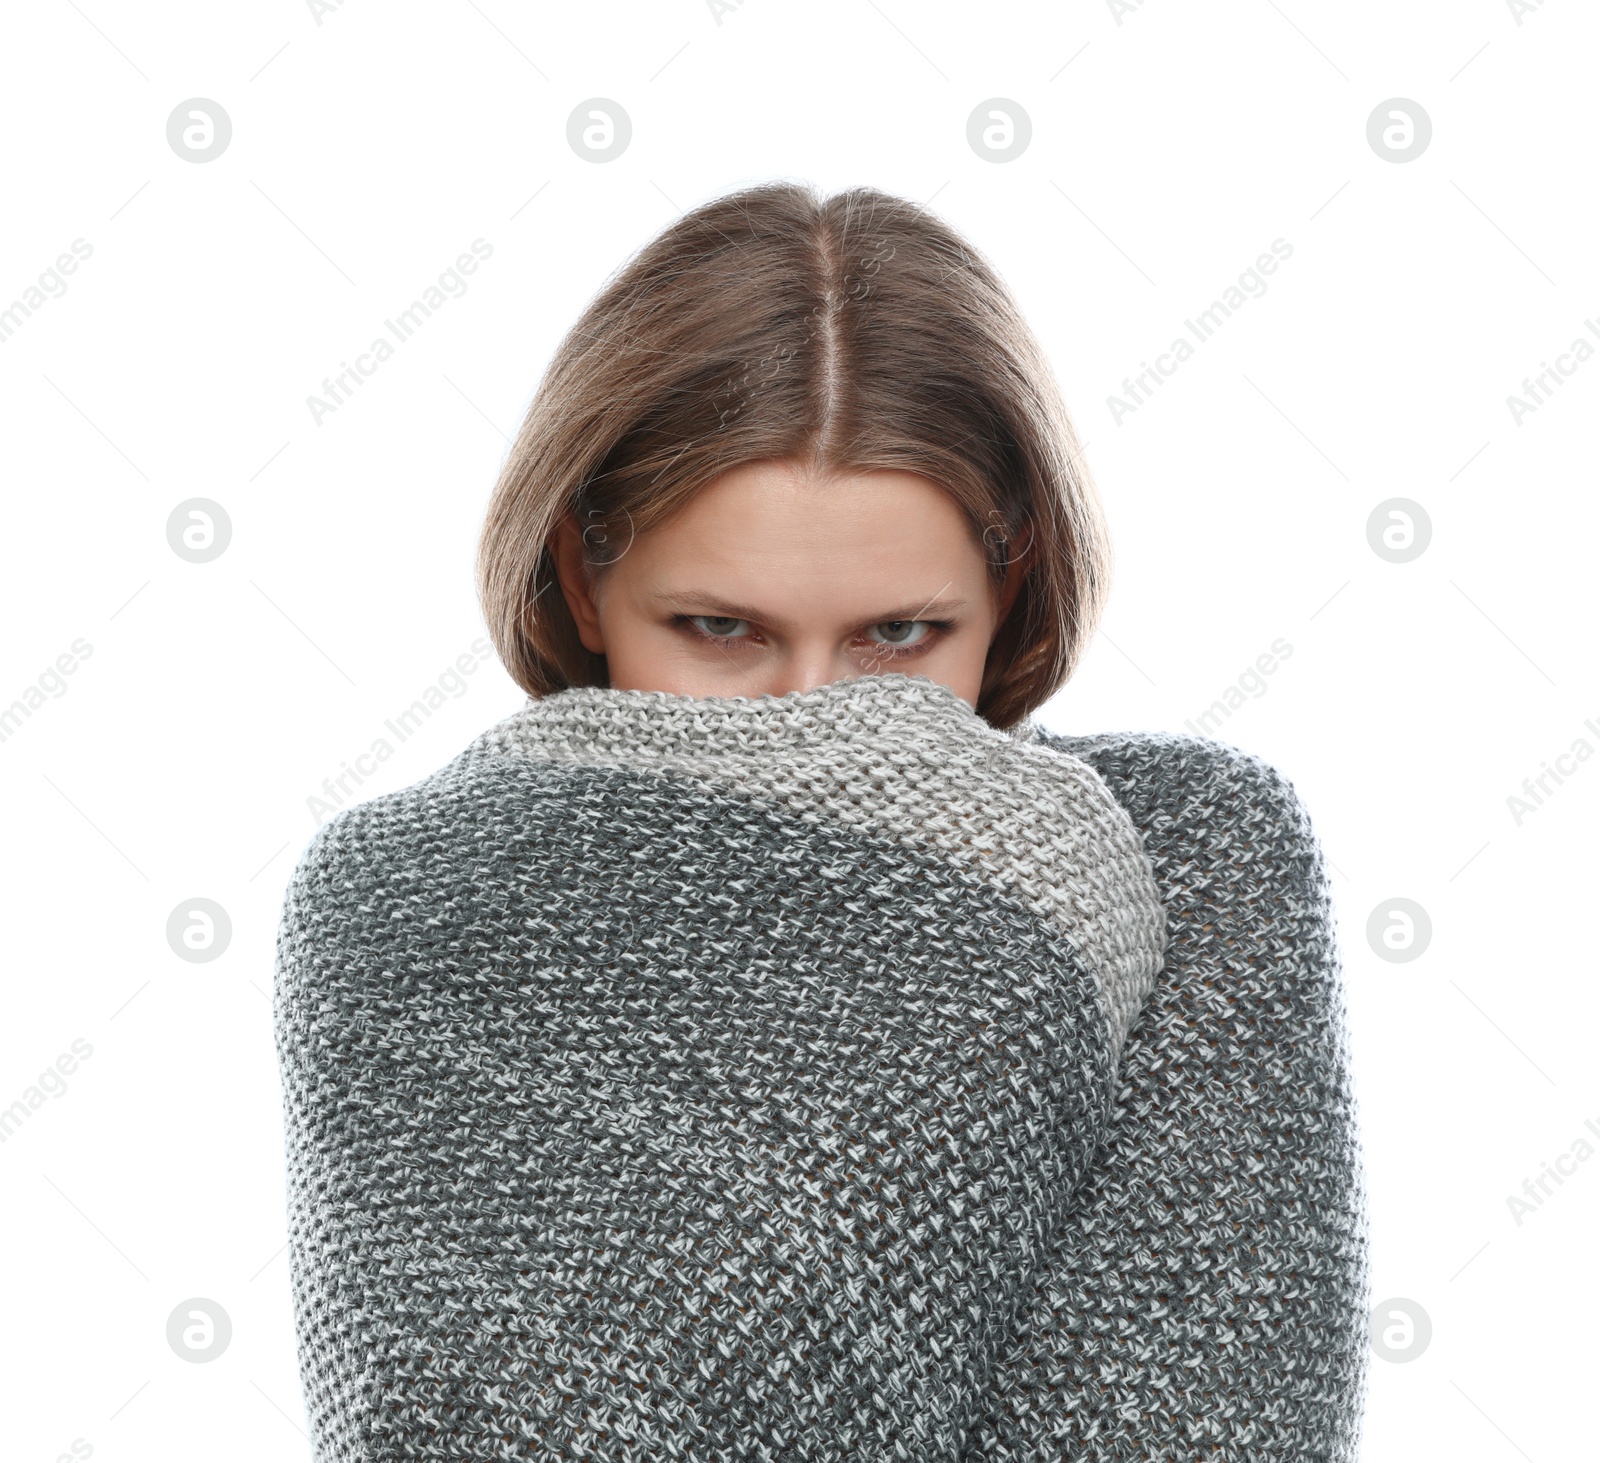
[[699, 1078]]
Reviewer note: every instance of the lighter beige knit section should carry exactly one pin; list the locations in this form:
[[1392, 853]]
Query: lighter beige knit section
[[906, 757]]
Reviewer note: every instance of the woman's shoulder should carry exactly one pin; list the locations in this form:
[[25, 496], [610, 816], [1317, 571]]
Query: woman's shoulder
[[1176, 769], [1194, 797], [439, 815]]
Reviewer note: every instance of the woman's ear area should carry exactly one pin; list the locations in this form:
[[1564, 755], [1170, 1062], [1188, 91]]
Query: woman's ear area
[[566, 548]]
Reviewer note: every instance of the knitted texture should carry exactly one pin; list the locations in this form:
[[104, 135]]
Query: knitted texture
[[904, 757], [1208, 1297], [738, 1079]]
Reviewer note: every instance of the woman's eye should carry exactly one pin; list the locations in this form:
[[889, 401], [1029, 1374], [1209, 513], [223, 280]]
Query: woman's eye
[[719, 627], [899, 632]]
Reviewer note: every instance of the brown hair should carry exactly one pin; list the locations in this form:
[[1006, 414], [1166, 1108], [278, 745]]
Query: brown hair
[[849, 333]]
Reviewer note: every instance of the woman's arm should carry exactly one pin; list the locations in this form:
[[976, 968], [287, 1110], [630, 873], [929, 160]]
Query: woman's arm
[[1209, 1297]]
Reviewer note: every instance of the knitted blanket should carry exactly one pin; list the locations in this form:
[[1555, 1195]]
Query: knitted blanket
[[745, 1079]]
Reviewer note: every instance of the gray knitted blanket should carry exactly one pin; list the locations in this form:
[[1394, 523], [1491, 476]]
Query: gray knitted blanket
[[829, 1076]]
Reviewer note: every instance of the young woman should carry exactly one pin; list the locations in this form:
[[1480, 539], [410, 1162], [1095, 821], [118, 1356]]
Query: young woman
[[770, 1042], [826, 402]]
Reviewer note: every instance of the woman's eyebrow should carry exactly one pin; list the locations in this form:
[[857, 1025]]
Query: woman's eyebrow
[[920, 611], [694, 602], [711, 604]]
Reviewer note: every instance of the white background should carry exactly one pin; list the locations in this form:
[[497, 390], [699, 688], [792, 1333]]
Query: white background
[[1170, 147]]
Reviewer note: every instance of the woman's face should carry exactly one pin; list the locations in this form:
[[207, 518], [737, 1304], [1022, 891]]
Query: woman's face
[[771, 581]]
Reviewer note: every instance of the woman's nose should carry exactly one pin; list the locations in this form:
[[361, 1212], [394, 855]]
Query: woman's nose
[[810, 666]]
